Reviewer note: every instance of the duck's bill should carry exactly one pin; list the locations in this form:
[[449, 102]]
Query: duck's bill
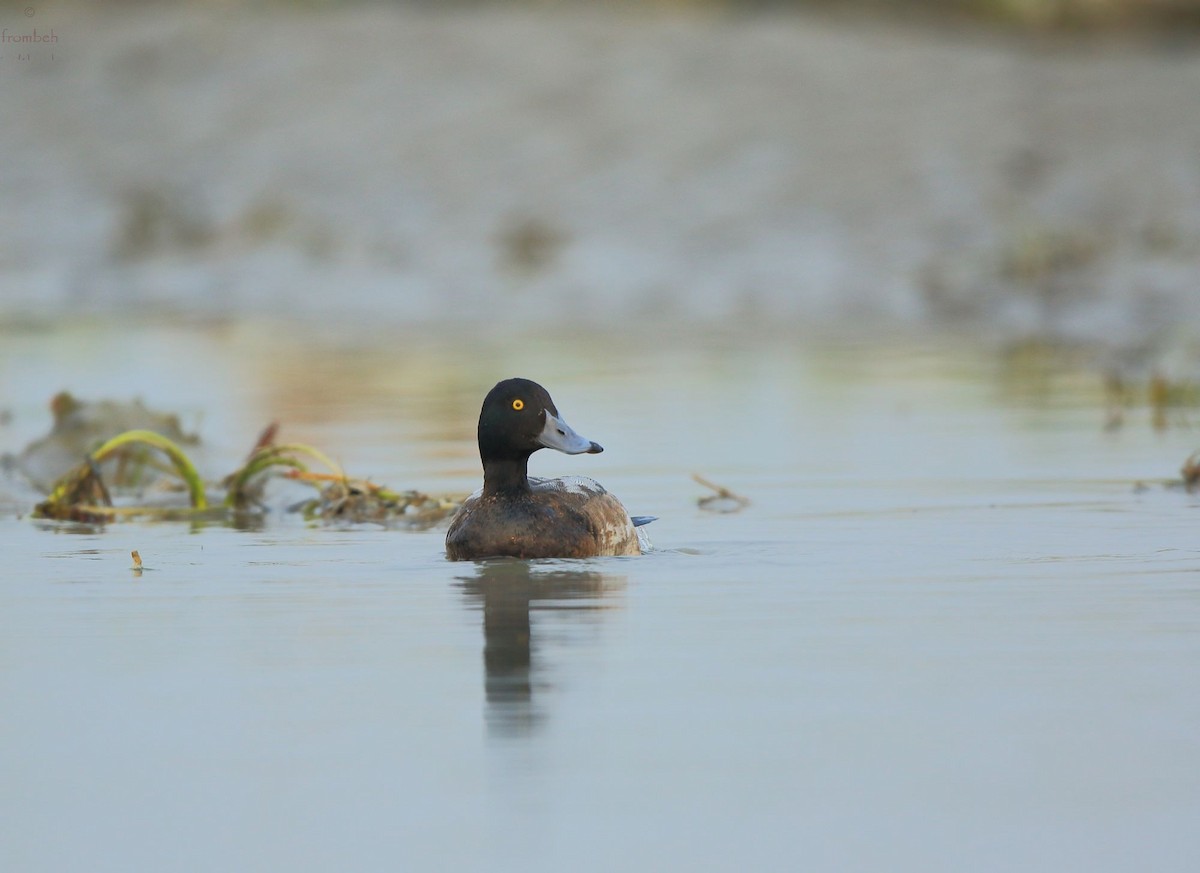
[[557, 434]]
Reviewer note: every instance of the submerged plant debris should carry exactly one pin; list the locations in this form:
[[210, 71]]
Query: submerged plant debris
[[84, 493], [355, 501], [339, 499], [723, 500]]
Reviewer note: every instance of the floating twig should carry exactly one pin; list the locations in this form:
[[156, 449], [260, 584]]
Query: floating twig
[[723, 501]]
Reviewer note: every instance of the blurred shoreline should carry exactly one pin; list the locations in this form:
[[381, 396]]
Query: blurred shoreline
[[526, 168]]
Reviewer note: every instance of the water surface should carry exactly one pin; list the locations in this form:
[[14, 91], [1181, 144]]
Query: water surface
[[948, 633]]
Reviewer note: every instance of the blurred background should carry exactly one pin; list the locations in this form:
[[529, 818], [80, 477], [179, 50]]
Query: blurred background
[[999, 168]]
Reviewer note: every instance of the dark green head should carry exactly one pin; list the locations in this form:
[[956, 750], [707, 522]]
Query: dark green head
[[518, 418]]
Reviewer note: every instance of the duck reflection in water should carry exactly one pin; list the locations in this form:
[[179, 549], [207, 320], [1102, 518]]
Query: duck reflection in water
[[508, 590]]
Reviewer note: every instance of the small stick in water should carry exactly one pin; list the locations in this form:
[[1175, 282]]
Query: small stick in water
[[137, 560], [723, 501]]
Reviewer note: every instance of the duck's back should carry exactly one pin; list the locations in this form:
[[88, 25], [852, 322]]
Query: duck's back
[[573, 517]]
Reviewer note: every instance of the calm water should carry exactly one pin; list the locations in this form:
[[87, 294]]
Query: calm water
[[948, 634]]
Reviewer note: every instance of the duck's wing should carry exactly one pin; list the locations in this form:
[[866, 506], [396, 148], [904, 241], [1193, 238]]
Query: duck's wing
[[586, 488], [607, 520], [577, 486]]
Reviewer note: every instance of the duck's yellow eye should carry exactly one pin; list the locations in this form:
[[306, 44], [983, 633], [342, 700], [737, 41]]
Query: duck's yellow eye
[[518, 404]]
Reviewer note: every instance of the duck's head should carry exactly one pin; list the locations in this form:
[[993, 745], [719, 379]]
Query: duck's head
[[518, 418]]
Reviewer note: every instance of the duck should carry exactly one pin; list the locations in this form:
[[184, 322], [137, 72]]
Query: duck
[[516, 516]]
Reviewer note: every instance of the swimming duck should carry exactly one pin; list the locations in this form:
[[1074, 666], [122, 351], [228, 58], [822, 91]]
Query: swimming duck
[[513, 515]]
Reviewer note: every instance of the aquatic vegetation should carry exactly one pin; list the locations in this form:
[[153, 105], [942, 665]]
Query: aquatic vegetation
[[82, 495], [80, 425], [340, 499], [355, 501], [182, 463], [245, 484], [79, 496]]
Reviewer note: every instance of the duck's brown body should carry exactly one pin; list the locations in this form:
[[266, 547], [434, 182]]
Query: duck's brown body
[[556, 518]]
